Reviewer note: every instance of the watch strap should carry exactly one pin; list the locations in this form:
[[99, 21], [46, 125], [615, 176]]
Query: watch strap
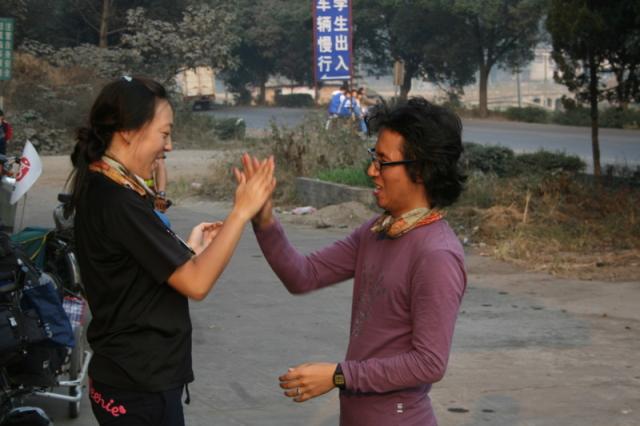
[[338, 378]]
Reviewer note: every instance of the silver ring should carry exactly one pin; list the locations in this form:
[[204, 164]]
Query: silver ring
[[298, 391]]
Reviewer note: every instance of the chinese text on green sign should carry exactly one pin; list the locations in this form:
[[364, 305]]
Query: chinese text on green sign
[[6, 47]]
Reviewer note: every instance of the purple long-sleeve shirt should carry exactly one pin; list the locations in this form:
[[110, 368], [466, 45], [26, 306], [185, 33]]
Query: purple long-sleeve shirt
[[406, 296]]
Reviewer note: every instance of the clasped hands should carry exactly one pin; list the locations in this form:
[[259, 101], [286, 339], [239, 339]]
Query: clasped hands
[[252, 199]]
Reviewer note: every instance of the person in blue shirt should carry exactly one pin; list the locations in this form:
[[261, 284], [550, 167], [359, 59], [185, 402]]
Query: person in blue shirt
[[337, 98], [351, 108]]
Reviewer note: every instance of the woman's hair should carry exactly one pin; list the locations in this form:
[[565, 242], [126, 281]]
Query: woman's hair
[[128, 103], [432, 136]]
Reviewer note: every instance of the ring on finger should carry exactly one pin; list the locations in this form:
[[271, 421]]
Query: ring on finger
[[298, 393]]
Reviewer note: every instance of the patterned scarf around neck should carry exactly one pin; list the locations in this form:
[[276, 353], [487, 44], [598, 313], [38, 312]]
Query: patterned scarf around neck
[[397, 227], [115, 171]]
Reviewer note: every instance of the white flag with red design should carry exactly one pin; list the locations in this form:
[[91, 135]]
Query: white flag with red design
[[30, 170]]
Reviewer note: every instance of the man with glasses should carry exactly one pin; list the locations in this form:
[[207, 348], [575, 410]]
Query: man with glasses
[[408, 270]]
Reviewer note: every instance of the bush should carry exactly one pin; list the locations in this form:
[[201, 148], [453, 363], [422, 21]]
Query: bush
[[610, 117], [308, 148], [620, 118], [46, 104], [578, 116], [502, 162], [295, 100], [498, 160], [230, 128], [529, 114], [196, 130], [354, 176], [545, 162]]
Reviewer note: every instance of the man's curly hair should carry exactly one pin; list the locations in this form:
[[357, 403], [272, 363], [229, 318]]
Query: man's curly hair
[[432, 136]]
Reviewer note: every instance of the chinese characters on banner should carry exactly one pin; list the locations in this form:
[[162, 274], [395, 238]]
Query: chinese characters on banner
[[332, 33], [6, 47]]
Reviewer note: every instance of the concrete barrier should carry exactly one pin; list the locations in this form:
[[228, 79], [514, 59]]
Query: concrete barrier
[[317, 193]]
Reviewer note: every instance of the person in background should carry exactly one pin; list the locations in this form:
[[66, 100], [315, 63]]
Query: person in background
[[408, 270], [361, 113], [350, 109], [6, 134], [335, 102], [138, 274]]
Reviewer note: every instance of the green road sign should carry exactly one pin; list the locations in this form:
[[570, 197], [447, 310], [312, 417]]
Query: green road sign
[[6, 47]]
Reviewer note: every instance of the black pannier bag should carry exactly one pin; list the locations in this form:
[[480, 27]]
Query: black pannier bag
[[44, 360], [18, 330], [19, 327]]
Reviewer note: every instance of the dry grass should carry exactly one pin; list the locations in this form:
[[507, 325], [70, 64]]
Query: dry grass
[[558, 224], [308, 148]]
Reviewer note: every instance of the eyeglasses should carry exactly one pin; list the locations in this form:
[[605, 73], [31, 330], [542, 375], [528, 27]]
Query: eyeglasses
[[380, 164]]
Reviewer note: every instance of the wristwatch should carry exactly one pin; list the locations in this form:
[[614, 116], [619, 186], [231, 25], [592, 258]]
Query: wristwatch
[[161, 194], [338, 378]]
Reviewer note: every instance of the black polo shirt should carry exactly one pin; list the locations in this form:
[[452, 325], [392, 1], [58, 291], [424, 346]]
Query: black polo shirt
[[140, 330]]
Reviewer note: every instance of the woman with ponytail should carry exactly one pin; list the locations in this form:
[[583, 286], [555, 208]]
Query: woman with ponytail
[[138, 274]]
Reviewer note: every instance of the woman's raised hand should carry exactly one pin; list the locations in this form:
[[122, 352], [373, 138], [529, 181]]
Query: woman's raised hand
[[255, 185], [264, 217]]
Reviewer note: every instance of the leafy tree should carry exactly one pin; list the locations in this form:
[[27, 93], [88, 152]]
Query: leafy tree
[[424, 35], [499, 32], [275, 40], [154, 47], [30, 19], [204, 37], [260, 33], [295, 61], [622, 20], [105, 62], [106, 20], [13, 9], [592, 40]]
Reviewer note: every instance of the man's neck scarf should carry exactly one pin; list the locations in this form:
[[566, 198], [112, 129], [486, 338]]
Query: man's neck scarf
[[397, 227]]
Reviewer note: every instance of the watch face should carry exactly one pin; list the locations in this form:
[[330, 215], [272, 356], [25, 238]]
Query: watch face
[[338, 379]]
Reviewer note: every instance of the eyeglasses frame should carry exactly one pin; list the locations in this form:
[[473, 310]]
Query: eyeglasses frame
[[378, 165]]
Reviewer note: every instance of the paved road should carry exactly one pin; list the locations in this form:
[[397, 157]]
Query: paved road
[[529, 349], [617, 145]]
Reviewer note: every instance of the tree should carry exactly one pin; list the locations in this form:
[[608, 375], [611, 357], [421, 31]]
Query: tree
[[592, 40], [16, 9], [34, 19], [414, 33], [499, 32], [295, 60], [106, 20], [275, 40], [161, 49], [204, 37], [622, 21]]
